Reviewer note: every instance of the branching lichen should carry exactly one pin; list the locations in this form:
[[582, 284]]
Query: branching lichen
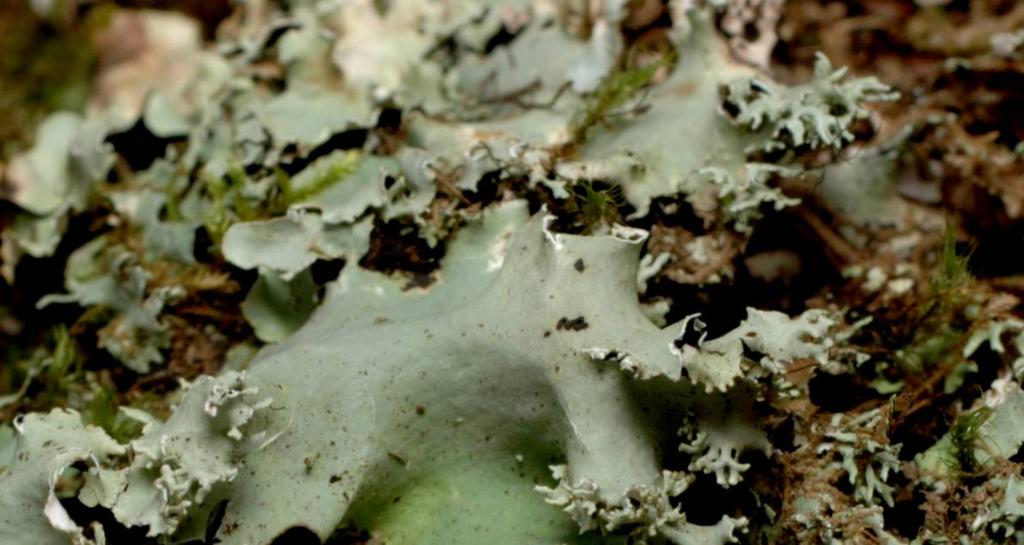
[[816, 115]]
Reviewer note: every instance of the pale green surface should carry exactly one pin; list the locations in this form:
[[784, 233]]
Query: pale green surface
[[277, 307], [431, 393]]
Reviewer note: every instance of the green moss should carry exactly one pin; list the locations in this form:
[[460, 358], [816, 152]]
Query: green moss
[[101, 407], [965, 436], [597, 205], [932, 344], [48, 374], [617, 90], [952, 276], [216, 220], [229, 204], [323, 178], [941, 322]]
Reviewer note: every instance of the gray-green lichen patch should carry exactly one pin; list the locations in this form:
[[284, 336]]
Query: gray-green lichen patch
[[996, 435], [152, 482], [816, 115], [389, 393], [646, 508], [292, 243], [511, 114], [277, 307], [449, 369], [524, 395], [30, 511], [48, 181], [109, 276], [69, 155], [683, 141]]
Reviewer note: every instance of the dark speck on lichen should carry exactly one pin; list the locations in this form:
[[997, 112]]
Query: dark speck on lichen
[[572, 324], [398, 458]]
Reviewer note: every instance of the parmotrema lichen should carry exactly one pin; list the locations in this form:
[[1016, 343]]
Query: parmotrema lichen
[[511, 272]]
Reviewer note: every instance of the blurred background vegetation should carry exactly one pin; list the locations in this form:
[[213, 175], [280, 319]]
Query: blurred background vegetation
[[48, 55]]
